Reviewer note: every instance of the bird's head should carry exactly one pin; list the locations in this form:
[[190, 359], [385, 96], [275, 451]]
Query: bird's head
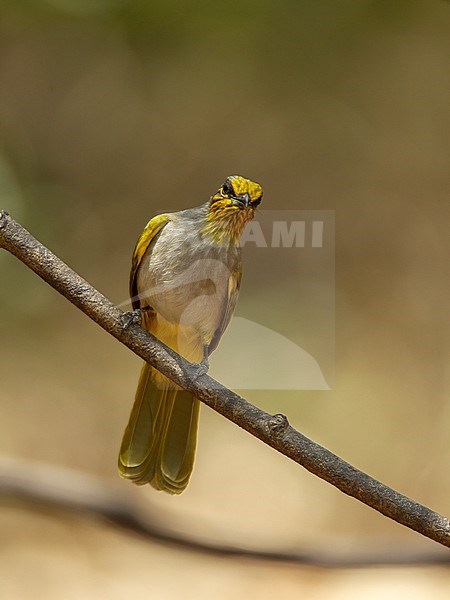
[[237, 194], [231, 207]]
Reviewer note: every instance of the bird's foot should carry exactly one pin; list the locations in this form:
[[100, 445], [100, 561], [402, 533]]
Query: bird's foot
[[200, 368], [131, 317]]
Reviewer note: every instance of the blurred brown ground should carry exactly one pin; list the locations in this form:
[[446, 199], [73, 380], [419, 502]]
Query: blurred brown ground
[[112, 112]]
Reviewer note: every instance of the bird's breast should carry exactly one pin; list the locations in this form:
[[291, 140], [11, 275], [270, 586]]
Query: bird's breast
[[185, 279]]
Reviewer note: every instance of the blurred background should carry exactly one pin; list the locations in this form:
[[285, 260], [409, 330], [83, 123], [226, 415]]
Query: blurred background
[[112, 111]]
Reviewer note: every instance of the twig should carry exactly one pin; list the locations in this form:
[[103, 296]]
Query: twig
[[274, 431], [44, 485]]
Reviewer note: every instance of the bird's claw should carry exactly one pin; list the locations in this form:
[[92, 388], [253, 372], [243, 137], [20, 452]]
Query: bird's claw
[[131, 317], [200, 368]]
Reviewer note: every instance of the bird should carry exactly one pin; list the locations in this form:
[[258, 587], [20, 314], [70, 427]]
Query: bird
[[184, 282]]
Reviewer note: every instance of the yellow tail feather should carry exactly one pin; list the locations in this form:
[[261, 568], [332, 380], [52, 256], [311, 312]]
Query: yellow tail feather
[[158, 445]]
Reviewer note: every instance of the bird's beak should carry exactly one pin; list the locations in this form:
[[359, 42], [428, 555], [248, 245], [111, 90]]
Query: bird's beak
[[242, 201]]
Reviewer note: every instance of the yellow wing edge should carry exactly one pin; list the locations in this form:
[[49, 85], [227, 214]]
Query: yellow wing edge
[[152, 228]]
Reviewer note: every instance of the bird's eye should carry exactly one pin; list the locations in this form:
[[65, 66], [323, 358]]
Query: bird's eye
[[227, 189]]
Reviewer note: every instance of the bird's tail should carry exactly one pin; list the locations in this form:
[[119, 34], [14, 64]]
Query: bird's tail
[[158, 445]]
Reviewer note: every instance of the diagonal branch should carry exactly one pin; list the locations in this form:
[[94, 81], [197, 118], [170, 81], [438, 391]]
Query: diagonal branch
[[274, 431]]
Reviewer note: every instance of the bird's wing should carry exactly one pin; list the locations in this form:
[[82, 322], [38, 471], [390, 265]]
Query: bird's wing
[[234, 283], [152, 228]]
